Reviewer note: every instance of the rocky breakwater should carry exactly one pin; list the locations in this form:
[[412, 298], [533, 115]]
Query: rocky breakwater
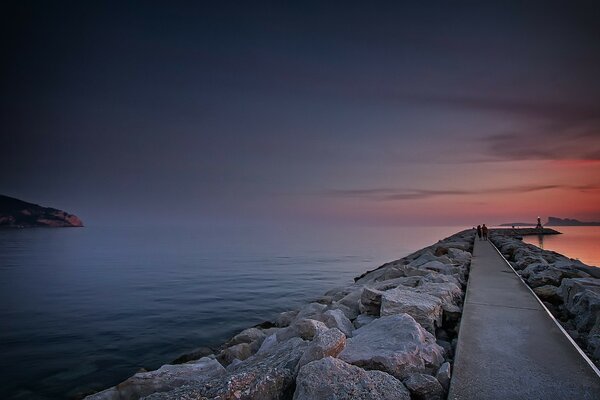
[[389, 335], [569, 288]]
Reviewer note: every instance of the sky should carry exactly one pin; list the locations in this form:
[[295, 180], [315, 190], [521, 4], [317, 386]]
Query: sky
[[392, 113]]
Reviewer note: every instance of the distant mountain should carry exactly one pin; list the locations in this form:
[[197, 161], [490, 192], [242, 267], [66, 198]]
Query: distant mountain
[[15, 213], [519, 224], [554, 221]]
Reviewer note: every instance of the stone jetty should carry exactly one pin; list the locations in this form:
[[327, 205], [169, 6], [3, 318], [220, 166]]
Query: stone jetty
[[391, 334], [568, 288]]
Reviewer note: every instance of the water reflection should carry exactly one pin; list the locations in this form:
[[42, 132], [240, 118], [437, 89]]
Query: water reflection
[[579, 242], [540, 242]]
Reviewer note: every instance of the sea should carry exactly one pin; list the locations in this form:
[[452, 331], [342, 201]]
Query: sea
[[82, 309]]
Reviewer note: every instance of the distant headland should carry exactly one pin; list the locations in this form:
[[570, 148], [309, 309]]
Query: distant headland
[[15, 213], [555, 221]]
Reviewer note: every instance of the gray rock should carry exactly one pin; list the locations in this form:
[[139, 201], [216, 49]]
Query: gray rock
[[267, 344], [581, 297], [329, 343], [266, 376], [311, 311], [337, 319], [240, 351], [352, 300], [370, 301], [424, 308], [333, 379], [350, 313], [548, 293], [549, 276], [362, 320], [443, 376], [304, 328], [285, 318], [448, 292], [248, 336], [424, 387], [165, 378], [396, 344], [459, 256]]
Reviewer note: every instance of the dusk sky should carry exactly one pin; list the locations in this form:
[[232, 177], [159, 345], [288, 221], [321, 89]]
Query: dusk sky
[[359, 112]]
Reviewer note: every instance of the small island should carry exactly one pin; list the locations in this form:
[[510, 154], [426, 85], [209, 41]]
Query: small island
[[15, 213]]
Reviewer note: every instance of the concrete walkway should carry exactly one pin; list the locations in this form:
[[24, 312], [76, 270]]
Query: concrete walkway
[[509, 347]]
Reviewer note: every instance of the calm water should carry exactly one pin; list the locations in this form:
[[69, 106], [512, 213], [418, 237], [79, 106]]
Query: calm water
[[580, 242], [85, 308]]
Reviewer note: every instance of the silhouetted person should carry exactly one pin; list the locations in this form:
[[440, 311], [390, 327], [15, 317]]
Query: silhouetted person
[[479, 231], [484, 230]]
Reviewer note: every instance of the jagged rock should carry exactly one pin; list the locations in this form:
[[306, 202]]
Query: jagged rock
[[305, 328], [337, 319], [165, 378], [549, 276], [404, 281], [424, 308], [330, 378], [352, 301], [370, 301], [548, 293], [311, 311], [460, 256], [348, 312], [424, 387], [248, 336], [285, 318], [241, 351], [446, 346], [396, 344], [443, 376], [362, 320], [266, 376], [193, 355], [581, 298], [267, 344], [448, 292], [329, 343]]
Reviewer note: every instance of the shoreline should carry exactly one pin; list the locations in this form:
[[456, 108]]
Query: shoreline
[[414, 302]]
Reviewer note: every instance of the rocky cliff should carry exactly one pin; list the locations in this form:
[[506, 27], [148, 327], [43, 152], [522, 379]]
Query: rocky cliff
[[15, 213]]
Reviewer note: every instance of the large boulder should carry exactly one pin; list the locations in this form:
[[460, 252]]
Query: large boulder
[[370, 301], [249, 335], [311, 311], [165, 378], [396, 344], [329, 343], [581, 298], [333, 379], [447, 292], [443, 376], [362, 320], [337, 319], [266, 376], [424, 387], [548, 293], [304, 328], [459, 256], [424, 308]]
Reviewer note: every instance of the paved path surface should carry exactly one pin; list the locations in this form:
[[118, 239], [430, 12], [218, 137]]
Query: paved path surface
[[508, 346]]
